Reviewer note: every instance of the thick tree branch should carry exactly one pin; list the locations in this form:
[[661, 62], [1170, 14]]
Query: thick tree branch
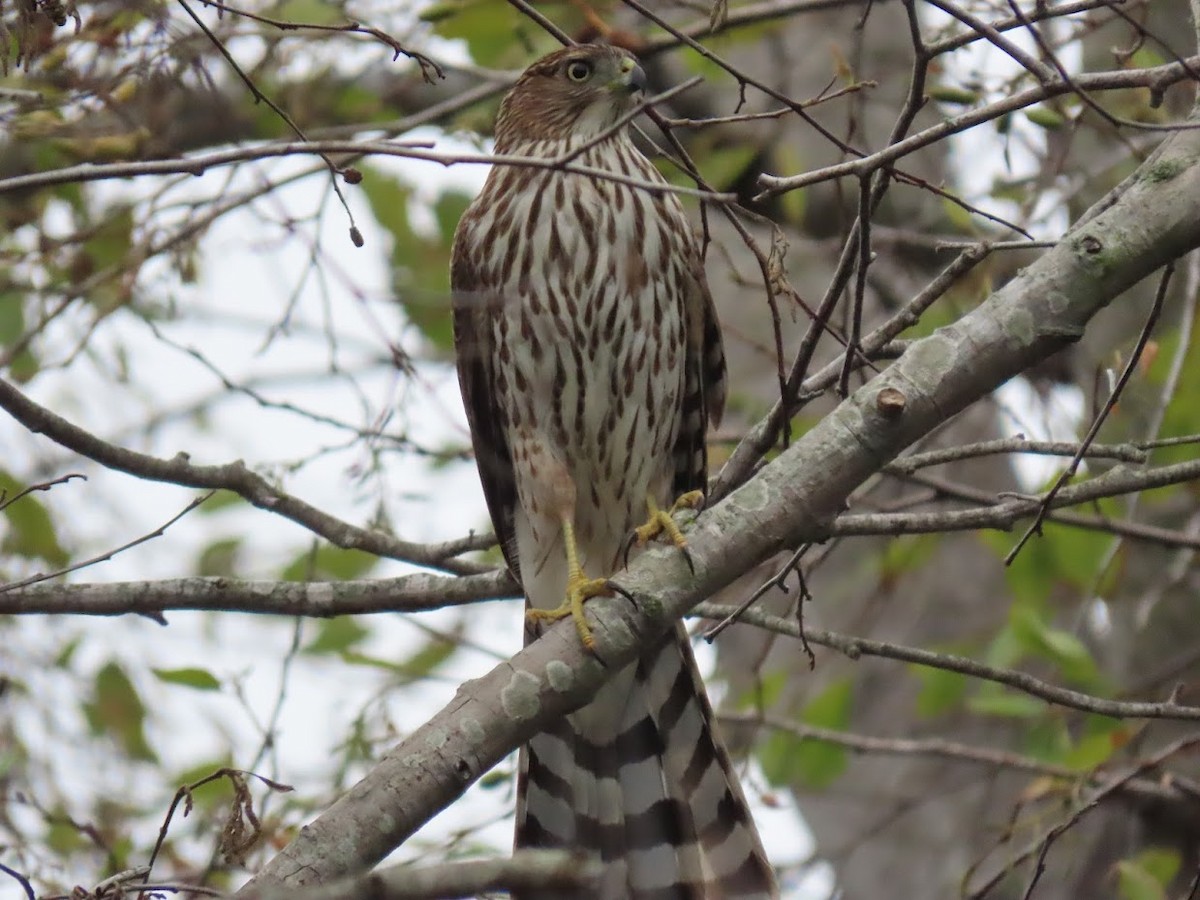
[[529, 870], [793, 499]]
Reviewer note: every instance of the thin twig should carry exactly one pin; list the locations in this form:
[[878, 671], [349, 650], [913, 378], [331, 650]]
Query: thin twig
[[6, 501], [855, 647], [1130, 367], [1130, 453], [235, 477], [1168, 790], [21, 879], [1041, 846], [108, 554], [1155, 77], [425, 63], [198, 165], [259, 96]]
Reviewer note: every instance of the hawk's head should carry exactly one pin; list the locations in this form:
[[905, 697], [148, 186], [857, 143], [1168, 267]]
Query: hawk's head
[[576, 92]]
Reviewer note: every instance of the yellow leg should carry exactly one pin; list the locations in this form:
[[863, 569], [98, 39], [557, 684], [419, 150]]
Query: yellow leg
[[579, 589], [660, 522]]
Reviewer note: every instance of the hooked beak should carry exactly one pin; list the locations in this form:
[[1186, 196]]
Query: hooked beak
[[632, 79]]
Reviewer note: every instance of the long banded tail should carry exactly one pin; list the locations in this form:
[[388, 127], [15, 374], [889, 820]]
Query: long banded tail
[[640, 778]]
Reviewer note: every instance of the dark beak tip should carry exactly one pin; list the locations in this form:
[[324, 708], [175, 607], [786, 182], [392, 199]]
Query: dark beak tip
[[637, 80]]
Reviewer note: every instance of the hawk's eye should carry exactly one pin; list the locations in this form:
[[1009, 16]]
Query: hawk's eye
[[579, 70]]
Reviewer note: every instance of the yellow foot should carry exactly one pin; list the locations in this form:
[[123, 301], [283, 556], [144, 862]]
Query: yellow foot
[[660, 522], [579, 589]]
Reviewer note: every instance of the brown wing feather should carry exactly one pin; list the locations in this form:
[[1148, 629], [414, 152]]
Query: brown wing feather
[[474, 306], [704, 385]]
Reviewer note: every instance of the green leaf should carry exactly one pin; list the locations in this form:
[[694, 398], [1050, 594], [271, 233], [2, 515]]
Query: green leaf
[[388, 199], [24, 366], [419, 665], [1161, 862], [67, 653], [494, 779], [428, 658], [12, 318], [337, 636], [1047, 739], [1183, 410], [212, 795], [1004, 651], [1059, 558], [766, 692], [200, 679], [1091, 751], [30, 533], [448, 209], [354, 658], [8, 761], [995, 700], [788, 158], [220, 501], [1147, 875], [64, 838], [940, 690], [962, 220], [308, 12], [420, 264], [116, 709], [1045, 117], [110, 241], [1062, 648], [947, 93], [329, 563], [904, 554], [723, 166], [787, 759], [487, 27], [219, 559]]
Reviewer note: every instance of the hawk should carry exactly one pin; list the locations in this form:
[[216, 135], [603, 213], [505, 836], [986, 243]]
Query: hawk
[[590, 363]]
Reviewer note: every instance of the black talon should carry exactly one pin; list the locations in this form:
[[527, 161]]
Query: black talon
[[617, 589], [626, 546], [687, 556]]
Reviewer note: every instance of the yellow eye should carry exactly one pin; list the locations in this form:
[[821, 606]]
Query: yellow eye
[[579, 70]]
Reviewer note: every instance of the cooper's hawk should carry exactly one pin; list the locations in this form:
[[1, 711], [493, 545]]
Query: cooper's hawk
[[590, 362]]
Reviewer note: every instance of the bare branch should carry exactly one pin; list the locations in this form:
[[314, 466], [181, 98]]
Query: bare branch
[[1068, 473], [108, 554], [198, 165], [1155, 78], [419, 592], [1042, 845], [1171, 790], [855, 647], [235, 477], [429, 68], [1130, 453]]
